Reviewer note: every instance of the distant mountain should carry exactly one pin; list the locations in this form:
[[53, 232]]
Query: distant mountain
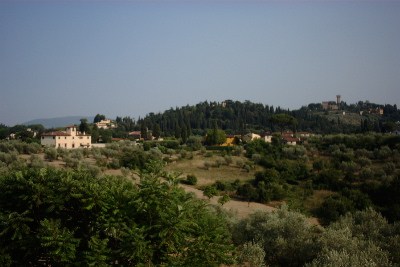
[[59, 122]]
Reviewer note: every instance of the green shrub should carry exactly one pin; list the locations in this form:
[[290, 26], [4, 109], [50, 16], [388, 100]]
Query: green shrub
[[36, 162], [286, 237], [191, 179], [251, 253], [71, 162], [50, 154], [113, 164], [210, 191]]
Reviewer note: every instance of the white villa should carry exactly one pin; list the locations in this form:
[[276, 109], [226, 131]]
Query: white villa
[[70, 138], [250, 137]]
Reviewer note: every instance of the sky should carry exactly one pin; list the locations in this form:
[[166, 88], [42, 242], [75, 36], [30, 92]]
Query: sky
[[130, 58]]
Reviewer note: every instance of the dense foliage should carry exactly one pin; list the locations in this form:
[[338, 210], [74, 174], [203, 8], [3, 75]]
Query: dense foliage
[[237, 117], [364, 238], [55, 217]]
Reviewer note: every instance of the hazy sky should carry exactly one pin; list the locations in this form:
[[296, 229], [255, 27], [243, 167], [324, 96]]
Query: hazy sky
[[129, 58]]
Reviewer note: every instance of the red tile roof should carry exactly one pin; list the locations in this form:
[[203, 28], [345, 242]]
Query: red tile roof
[[55, 134], [291, 139], [118, 139]]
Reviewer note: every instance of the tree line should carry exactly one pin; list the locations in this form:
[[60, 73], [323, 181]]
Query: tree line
[[233, 117]]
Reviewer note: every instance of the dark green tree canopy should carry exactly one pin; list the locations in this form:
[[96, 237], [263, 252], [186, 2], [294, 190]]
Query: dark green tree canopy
[[283, 120], [56, 218], [99, 118], [84, 126]]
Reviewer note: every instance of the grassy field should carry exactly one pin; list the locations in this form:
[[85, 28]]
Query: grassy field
[[206, 176]]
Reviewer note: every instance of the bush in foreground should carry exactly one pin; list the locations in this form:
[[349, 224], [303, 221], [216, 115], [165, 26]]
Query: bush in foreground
[[55, 218]]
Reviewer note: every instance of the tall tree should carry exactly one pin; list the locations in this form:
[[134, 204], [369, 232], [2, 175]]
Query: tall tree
[[95, 133], [99, 118], [156, 130], [84, 126], [184, 134], [143, 130], [283, 120]]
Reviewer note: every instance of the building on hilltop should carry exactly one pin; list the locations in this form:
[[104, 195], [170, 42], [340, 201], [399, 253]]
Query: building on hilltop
[[70, 139], [332, 105], [377, 111], [329, 105], [106, 124]]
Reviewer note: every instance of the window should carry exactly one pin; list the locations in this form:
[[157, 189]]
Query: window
[[65, 137], [65, 145], [54, 137], [73, 145], [58, 137], [59, 145]]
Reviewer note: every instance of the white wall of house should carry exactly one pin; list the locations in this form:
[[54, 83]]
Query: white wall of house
[[268, 138]]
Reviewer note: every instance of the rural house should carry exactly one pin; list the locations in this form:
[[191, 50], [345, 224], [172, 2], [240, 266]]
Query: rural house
[[70, 138], [106, 124]]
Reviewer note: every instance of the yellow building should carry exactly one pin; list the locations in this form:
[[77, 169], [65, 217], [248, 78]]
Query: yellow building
[[70, 138]]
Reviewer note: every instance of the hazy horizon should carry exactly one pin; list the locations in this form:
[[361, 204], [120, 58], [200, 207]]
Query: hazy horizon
[[129, 58]]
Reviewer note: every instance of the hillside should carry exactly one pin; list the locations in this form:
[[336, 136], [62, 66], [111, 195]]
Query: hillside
[[236, 117]]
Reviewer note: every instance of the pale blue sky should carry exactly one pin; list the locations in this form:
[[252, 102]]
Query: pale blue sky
[[129, 58]]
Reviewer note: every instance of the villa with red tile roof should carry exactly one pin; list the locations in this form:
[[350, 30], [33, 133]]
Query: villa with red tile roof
[[70, 138], [136, 134], [291, 140]]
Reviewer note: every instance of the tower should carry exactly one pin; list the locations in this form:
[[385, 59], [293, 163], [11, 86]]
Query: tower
[[338, 100]]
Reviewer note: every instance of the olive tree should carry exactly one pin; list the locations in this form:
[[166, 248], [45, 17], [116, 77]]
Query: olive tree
[[287, 238]]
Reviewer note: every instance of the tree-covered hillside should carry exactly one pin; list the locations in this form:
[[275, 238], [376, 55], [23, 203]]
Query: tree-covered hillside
[[235, 117], [241, 117]]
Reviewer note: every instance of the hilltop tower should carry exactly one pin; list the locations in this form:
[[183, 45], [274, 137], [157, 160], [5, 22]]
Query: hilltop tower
[[338, 100]]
